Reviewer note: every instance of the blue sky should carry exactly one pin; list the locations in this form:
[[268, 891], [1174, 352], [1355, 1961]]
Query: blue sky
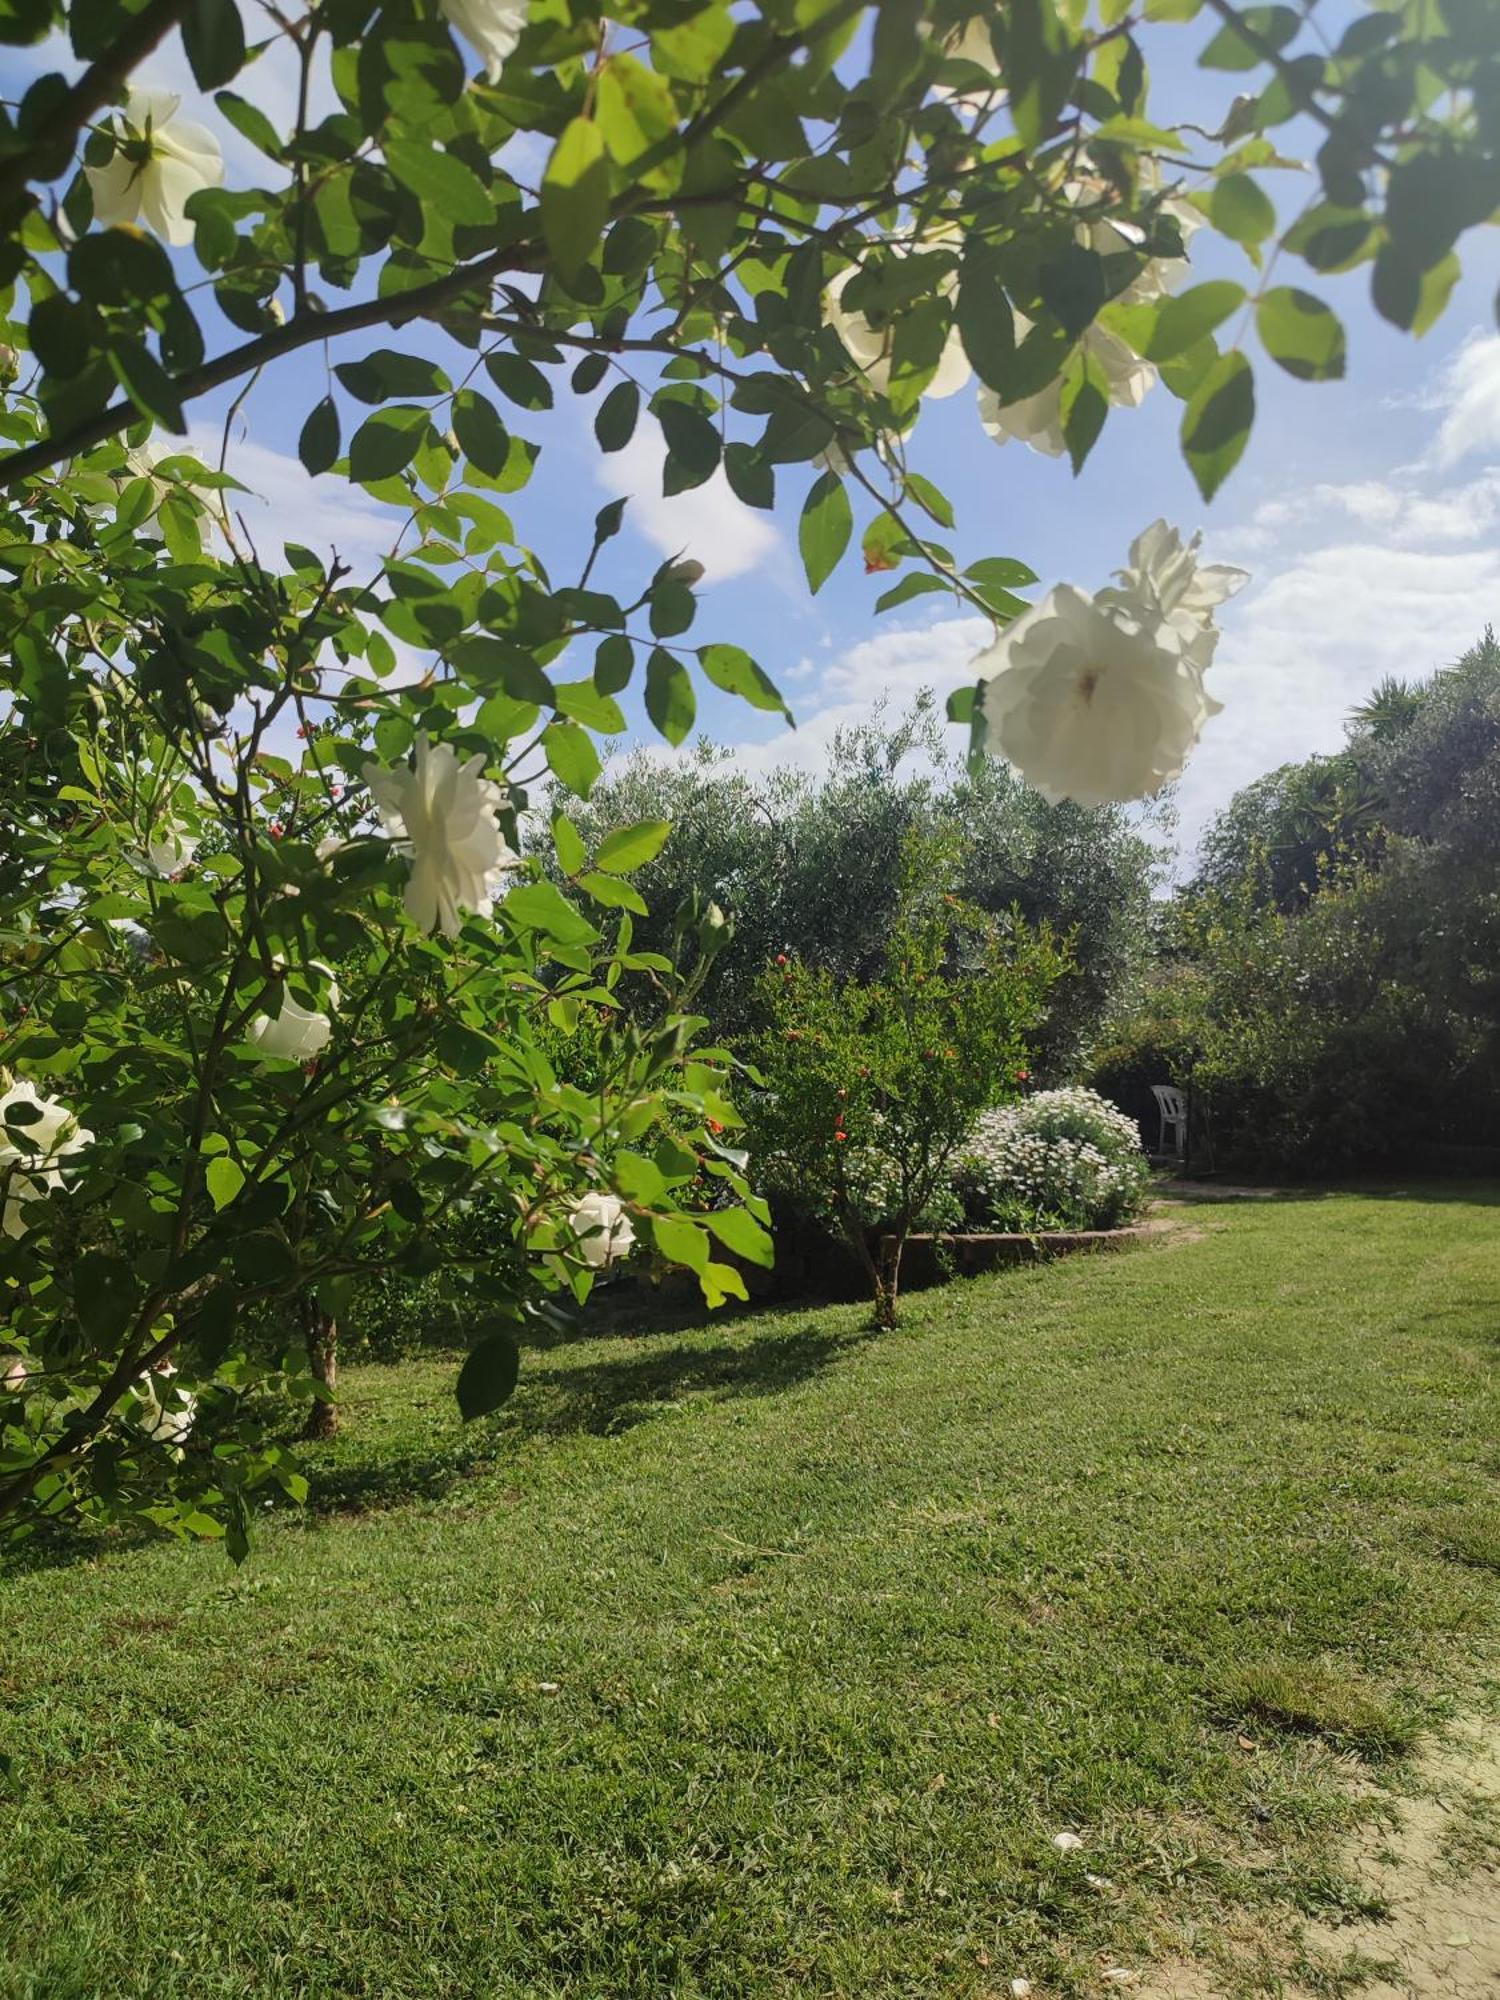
[[1365, 511]]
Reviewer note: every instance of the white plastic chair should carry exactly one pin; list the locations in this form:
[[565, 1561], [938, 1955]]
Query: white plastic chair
[[1172, 1106]]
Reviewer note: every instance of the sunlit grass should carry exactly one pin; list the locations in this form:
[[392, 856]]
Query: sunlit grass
[[768, 1656]]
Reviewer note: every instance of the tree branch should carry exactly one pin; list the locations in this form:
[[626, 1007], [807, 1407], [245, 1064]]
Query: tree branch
[[266, 347]]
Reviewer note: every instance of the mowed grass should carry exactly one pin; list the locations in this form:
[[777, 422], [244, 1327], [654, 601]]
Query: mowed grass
[[768, 1656]]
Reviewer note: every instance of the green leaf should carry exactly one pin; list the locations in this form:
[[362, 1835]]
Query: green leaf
[[488, 1377], [466, 1052], [441, 181], [693, 445], [615, 418], [918, 583], [732, 669], [670, 701], [541, 906], [1083, 404], [1229, 49], [825, 528], [483, 437], [1041, 62], [631, 847], [386, 443], [575, 195], [1241, 209], [673, 608], [738, 1230], [1160, 332], [214, 37], [251, 123], [318, 445], [572, 756], [613, 893], [519, 379], [581, 701], [224, 1178], [1216, 423], [931, 499], [681, 1241], [572, 855], [614, 663], [750, 478], [694, 48], [636, 111], [146, 383], [384, 373], [103, 1294], [1301, 333]]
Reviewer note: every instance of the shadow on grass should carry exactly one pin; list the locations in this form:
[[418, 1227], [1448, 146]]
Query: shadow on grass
[[600, 1398], [1387, 1187], [607, 1397]]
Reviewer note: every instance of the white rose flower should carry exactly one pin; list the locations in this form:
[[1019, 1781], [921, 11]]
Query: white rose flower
[[1037, 420], [13, 1372], [295, 1033], [164, 1419], [604, 1230], [445, 814], [30, 1151], [141, 461], [1089, 705], [1165, 584], [170, 847], [1109, 236], [872, 349], [491, 26], [160, 160]]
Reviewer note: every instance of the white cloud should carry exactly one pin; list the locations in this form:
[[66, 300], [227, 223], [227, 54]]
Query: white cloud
[[1310, 641], [1468, 392], [284, 504], [893, 667], [708, 524], [1408, 517]]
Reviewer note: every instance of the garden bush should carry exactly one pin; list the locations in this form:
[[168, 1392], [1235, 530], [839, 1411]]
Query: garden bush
[[870, 1088], [1064, 1159]]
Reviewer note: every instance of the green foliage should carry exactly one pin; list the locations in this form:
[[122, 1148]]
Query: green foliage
[[702, 189], [869, 1088], [1333, 998], [811, 866]]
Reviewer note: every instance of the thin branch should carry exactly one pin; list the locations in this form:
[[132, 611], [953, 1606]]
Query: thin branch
[[268, 347]]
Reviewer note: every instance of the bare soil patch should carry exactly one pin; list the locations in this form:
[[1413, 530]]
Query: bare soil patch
[[1429, 1862]]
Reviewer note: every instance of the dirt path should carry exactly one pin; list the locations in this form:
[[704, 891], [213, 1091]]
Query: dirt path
[[1434, 1866]]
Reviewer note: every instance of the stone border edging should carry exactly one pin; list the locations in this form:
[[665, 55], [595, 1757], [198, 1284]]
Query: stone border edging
[[977, 1249]]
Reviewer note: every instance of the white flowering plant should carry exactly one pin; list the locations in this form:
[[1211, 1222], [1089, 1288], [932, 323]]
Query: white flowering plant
[[1062, 1159], [756, 228]]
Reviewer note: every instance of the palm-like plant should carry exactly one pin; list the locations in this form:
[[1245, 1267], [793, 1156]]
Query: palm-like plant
[[1389, 710]]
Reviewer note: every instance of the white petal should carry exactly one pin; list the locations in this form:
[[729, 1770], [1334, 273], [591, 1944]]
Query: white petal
[[116, 189]]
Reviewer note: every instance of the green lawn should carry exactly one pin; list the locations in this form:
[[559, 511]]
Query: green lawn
[[768, 1657]]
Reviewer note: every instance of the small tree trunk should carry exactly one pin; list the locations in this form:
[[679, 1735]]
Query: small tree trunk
[[888, 1278], [321, 1333]]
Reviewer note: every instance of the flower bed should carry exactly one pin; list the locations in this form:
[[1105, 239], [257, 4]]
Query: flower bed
[[1064, 1161]]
